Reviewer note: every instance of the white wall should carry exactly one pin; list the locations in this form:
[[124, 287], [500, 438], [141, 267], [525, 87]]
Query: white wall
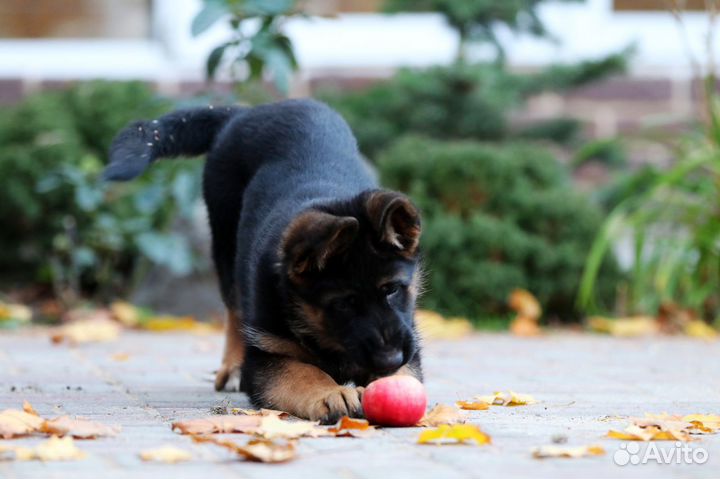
[[361, 41]]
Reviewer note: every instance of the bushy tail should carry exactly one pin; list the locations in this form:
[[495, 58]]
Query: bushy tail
[[182, 132]]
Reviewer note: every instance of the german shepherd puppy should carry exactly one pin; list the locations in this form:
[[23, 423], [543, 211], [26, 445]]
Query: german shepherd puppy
[[318, 267]]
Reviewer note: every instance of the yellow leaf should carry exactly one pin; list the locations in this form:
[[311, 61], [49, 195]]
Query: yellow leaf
[[509, 398], [27, 407], [567, 452], [166, 454], [120, 357], [54, 449], [126, 313], [87, 331], [525, 326], [703, 423], [625, 327], [260, 450], [700, 329], [525, 304], [167, 323], [15, 312], [653, 430], [433, 325], [473, 405], [442, 414], [457, 433]]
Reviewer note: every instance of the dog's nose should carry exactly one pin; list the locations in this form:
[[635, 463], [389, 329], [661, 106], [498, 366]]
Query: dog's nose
[[388, 360]]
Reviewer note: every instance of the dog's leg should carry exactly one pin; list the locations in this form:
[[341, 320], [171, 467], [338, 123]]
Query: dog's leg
[[234, 353], [303, 390]]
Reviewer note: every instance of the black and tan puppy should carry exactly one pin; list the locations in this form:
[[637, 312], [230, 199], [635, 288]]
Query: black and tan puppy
[[318, 267]]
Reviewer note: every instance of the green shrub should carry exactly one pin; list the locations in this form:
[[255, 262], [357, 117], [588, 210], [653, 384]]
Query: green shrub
[[64, 227], [496, 217]]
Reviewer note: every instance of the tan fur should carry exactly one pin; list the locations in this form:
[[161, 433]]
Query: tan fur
[[234, 353], [305, 391]]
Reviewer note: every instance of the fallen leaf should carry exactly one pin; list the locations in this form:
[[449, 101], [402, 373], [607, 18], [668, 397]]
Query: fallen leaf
[[218, 424], [654, 428], [126, 313], [259, 450], [54, 449], [120, 357], [525, 304], [524, 326], [473, 405], [567, 452], [625, 327], [166, 454], [442, 414], [87, 331], [78, 428], [15, 312], [700, 329], [509, 398], [272, 427], [433, 325], [703, 423], [348, 427], [259, 412], [27, 407], [160, 324], [15, 423], [457, 433]]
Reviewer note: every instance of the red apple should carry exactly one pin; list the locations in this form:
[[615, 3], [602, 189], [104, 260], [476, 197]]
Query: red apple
[[395, 401]]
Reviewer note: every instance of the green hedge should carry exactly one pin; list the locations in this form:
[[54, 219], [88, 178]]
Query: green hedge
[[496, 217], [64, 227]]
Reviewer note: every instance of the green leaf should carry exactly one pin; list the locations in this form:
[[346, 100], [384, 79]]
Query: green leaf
[[213, 60], [170, 250], [212, 11], [267, 7]]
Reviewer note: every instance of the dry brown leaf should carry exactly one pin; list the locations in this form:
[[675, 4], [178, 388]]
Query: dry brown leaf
[[27, 407], [349, 427], [457, 433], [473, 405], [567, 452], [433, 325], [87, 331], [442, 414], [509, 398], [78, 428], [703, 423], [219, 424], [15, 423], [54, 449], [166, 454], [260, 450]]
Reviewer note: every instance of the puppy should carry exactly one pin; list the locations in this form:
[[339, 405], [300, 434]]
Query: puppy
[[318, 267]]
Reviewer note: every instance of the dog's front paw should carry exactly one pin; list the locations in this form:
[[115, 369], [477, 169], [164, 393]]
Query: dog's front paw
[[333, 403]]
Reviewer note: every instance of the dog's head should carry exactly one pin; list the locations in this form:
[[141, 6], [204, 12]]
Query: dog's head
[[352, 273]]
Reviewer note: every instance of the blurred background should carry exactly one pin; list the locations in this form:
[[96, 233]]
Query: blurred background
[[564, 153]]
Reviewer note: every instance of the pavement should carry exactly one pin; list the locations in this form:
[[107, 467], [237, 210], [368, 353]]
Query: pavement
[[584, 384]]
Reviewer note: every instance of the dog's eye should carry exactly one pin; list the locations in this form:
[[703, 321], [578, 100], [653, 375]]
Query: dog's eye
[[390, 289]]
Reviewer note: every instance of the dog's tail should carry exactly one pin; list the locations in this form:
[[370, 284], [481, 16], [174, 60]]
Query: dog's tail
[[183, 132]]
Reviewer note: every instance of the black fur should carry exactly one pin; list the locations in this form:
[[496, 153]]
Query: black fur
[[266, 167]]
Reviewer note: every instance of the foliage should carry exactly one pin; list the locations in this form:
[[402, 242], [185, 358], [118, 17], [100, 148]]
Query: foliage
[[461, 101], [61, 225], [264, 49], [476, 20], [608, 151], [495, 218], [671, 218]]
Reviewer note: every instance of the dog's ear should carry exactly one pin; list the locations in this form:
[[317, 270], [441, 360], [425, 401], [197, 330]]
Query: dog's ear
[[314, 237], [395, 219]]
